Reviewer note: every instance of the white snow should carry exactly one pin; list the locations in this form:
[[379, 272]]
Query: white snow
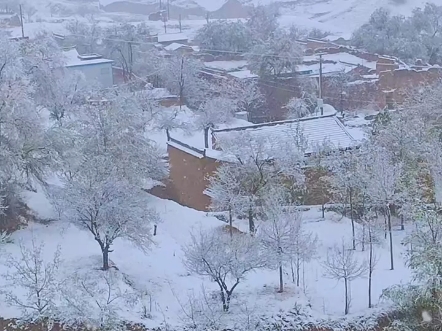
[[243, 74], [171, 37], [161, 271], [316, 131], [226, 65], [174, 46], [72, 59]]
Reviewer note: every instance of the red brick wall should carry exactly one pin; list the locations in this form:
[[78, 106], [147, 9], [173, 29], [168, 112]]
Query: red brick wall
[[188, 178]]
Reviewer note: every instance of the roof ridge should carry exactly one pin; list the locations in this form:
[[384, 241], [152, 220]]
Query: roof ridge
[[268, 124]]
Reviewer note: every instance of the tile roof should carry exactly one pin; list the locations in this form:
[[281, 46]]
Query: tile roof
[[316, 131]]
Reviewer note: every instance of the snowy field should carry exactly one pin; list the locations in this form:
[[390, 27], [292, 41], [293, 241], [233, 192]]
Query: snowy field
[[162, 275]]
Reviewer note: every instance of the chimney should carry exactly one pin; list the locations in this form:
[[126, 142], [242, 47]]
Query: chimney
[[208, 136]]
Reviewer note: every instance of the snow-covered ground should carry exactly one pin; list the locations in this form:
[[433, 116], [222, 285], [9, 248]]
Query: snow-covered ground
[[339, 17], [161, 271]]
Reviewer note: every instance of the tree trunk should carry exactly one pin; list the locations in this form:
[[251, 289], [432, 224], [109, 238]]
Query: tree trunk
[[402, 223], [370, 271], [229, 295], [230, 222], [391, 238], [223, 299], [281, 281], [251, 222], [298, 269], [346, 296], [323, 210], [105, 251], [363, 238], [352, 221], [293, 270]]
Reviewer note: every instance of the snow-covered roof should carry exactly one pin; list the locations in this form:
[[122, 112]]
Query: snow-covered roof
[[316, 130], [226, 65], [333, 63], [175, 46], [72, 59], [242, 74], [171, 37]]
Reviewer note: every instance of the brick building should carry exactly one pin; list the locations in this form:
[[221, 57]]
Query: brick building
[[192, 161]]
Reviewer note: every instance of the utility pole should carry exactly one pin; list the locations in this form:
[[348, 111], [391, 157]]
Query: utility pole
[[320, 101], [161, 7], [165, 26], [22, 24], [179, 21], [168, 10]]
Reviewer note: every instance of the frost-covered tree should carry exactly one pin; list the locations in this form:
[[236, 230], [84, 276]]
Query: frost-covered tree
[[275, 56], [305, 249], [215, 111], [182, 76], [297, 108], [85, 35], [24, 149], [380, 176], [345, 184], [103, 172], [69, 91], [262, 165], [226, 260], [225, 191], [341, 264], [221, 37], [124, 43], [263, 22], [416, 37], [96, 201], [38, 280], [280, 227]]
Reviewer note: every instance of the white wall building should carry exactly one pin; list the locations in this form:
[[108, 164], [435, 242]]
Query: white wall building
[[93, 66]]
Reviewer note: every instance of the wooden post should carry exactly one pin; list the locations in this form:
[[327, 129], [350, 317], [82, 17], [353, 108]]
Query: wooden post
[[155, 230]]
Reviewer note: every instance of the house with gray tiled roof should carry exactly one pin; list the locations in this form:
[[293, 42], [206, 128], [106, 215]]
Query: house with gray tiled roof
[[194, 159]]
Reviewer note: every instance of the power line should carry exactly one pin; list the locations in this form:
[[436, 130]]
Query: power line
[[201, 49]]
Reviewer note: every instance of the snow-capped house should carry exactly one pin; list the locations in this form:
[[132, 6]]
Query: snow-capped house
[[170, 38], [194, 159], [94, 67]]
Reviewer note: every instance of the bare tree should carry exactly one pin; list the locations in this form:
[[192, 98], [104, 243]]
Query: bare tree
[[224, 259], [278, 232], [96, 299], [342, 264], [200, 312], [37, 278], [305, 249]]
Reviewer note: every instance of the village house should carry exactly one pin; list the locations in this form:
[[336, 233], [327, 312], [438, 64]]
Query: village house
[[193, 159], [93, 66], [170, 38]]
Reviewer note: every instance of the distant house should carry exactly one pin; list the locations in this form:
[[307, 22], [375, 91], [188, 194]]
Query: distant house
[[170, 38], [179, 48], [94, 67], [194, 159]]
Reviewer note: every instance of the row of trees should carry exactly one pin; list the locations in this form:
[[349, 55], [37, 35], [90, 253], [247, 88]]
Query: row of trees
[[269, 49], [416, 37]]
